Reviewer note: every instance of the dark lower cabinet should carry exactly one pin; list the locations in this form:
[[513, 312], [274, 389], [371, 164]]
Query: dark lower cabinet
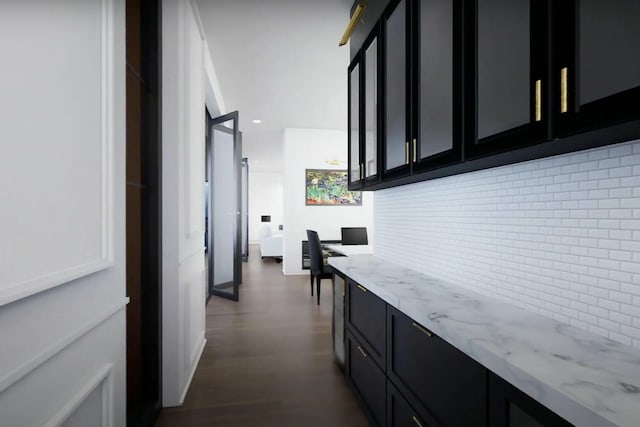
[[450, 384], [510, 407], [406, 376], [367, 379], [400, 413], [337, 323], [365, 314]]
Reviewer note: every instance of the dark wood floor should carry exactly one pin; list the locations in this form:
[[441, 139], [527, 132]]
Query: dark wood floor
[[268, 359]]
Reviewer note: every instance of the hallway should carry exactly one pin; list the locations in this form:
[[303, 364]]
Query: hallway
[[268, 359]]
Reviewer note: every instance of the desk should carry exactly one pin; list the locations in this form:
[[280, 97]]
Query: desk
[[348, 250]]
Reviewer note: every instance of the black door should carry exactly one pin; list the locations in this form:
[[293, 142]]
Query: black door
[[437, 83], [371, 107], [597, 64], [225, 189], [396, 150], [355, 171], [512, 86]]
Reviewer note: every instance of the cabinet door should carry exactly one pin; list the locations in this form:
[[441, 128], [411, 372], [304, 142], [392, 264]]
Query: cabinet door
[[448, 383], [337, 323], [370, 52], [510, 407], [437, 83], [597, 67], [366, 317], [395, 33], [367, 379], [512, 84], [354, 119], [400, 413]]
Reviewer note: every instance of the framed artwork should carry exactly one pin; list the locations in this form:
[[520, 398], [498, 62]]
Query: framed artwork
[[328, 187]]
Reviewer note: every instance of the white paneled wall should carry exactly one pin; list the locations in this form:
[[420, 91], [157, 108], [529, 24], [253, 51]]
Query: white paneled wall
[[558, 236], [183, 267]]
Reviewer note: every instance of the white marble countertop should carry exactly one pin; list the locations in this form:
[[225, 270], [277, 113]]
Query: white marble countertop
[[588, 380], [350, 250]]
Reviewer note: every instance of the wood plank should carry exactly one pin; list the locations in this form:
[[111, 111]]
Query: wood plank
[[268, 359]]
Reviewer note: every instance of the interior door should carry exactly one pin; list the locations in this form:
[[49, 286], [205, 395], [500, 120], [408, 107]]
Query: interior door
[[225, 232]]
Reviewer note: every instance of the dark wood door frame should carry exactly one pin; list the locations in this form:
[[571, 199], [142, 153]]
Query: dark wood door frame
[[144, 70]]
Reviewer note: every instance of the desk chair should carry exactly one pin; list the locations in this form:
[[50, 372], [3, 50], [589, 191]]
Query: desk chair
[[317, 267]]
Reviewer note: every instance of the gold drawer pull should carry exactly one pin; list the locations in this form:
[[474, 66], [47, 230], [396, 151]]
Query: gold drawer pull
[[406, 153], [362, 351], [538, 100], [415, 150], [362, 288], [423, 330], [564, 98], [416, 421], [343, 288]]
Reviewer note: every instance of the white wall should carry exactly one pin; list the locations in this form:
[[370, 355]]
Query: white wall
[[558, 236], [62, 213], [183, 276], [309, 149], [265, 198]]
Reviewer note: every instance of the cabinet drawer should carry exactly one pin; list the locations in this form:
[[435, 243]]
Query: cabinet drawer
[[400, 413], [510, 407], [450, 385], [367, 379], [366, 314]]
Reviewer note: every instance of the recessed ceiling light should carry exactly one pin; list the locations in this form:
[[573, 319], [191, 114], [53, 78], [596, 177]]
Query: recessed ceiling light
[[256, 121]]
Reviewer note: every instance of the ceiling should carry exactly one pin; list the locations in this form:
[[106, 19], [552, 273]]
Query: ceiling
[[279, 61]]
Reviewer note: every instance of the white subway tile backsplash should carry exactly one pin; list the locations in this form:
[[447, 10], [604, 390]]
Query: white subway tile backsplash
[[559, 236]]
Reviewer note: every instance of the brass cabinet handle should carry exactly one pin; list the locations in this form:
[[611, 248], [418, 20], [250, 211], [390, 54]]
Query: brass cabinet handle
[[362, 351], [538, 100], [344, 290], [564, 99], [415, 150], [362, 288], [416, 421], [406, 153], [423, 330]]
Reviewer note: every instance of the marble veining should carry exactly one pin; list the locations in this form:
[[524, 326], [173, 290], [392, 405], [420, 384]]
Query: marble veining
[[588, 380]]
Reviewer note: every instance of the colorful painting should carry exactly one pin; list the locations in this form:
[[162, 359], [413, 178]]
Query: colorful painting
[[328, 187]]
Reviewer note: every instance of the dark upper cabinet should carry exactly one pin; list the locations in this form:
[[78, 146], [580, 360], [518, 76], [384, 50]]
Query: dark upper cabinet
[[510, 407], [369, 19], [371, 104], [465, 85], [512, 84], [395, 83], [596, 65], [437, 83], [364, 113], [421, 85], [354, 124]]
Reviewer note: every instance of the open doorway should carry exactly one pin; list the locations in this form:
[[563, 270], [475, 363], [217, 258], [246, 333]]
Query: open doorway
[[143, 211]]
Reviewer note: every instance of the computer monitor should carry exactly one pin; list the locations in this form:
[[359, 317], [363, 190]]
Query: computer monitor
[[354, 235]]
